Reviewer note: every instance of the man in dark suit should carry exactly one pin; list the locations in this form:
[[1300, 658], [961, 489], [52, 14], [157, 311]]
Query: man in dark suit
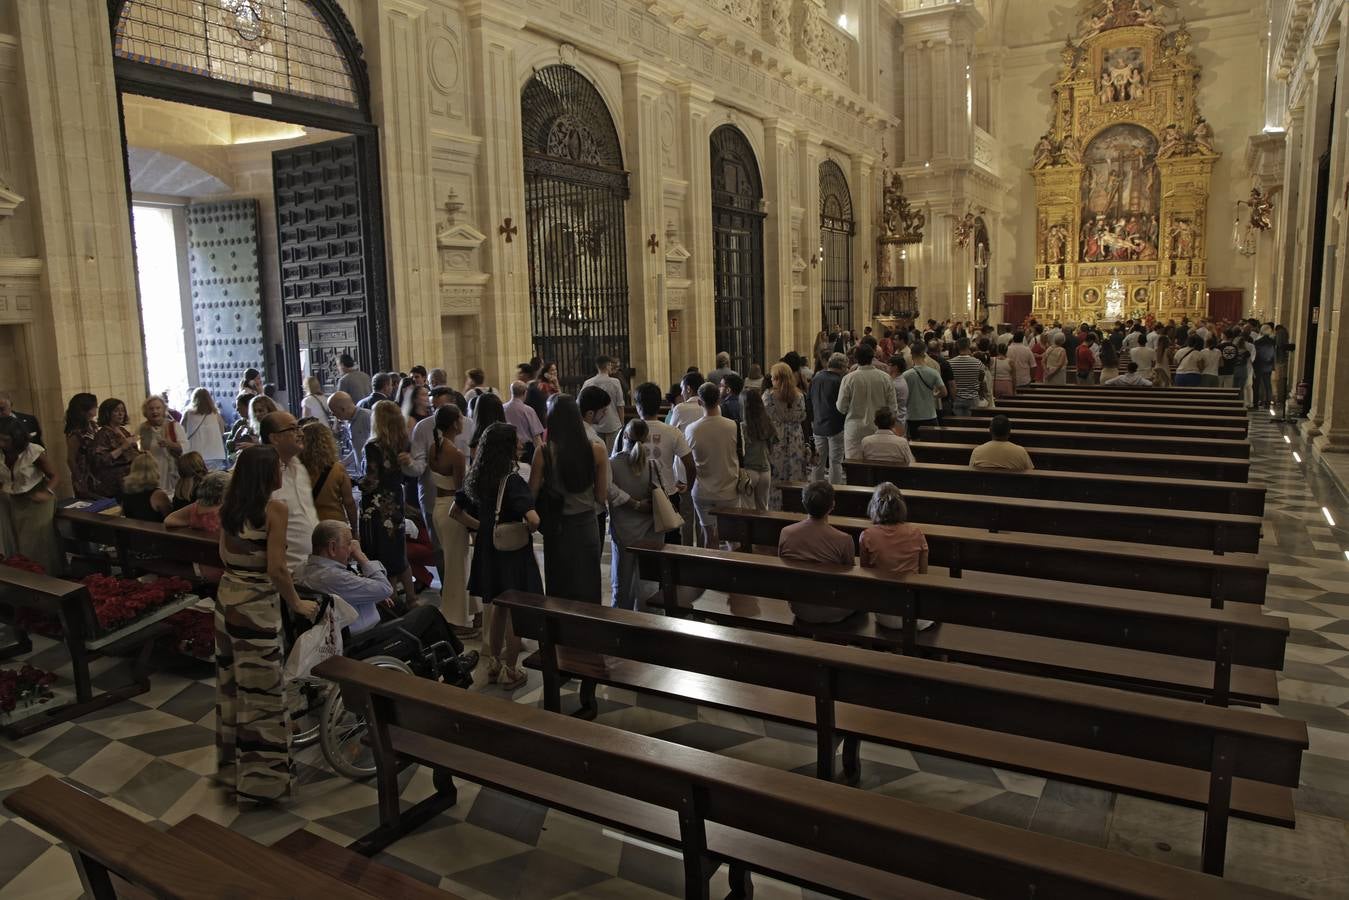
[[384, 384], [29, 422]]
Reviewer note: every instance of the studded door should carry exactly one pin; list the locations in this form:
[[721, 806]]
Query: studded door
[[222, 242], [326, 254]]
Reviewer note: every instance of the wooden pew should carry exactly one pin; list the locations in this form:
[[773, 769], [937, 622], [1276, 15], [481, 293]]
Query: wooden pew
[[1086, 487], [1232, 577], [1097, 736], [1160, 643], [1093, 393], [1142, 411], [1219, 532], [118, 855], [954, 432], [138, 542], [68, 602], [716, 809], [1105, 462], [1099, 425], [1219, 393], [1109, 400]]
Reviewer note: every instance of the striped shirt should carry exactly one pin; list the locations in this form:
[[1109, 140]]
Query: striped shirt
[[969, 373]]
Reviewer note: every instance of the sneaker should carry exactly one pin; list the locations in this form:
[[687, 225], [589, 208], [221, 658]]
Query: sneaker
[[510, 679]]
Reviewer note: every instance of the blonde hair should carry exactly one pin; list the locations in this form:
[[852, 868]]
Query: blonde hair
[[258, 409], [784, 381], [203, 404], [634, 436], [391, 428], [313, 386], [153, 398], [211, 493], [143, 474], [320, 449], [191, 465]]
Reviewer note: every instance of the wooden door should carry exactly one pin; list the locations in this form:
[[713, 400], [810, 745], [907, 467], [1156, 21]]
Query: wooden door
[[1015, 307]]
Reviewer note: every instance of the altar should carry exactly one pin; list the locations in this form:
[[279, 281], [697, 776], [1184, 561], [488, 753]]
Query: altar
[[1122, 176]]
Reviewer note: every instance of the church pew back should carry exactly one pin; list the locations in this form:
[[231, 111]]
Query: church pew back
[[1104, 462]]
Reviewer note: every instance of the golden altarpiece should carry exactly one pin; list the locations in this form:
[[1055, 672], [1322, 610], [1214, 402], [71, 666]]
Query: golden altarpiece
[[1122, 176]]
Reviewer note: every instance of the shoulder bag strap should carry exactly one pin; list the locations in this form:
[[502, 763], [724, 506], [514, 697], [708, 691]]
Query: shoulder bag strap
[[323, 479], [501, 495]]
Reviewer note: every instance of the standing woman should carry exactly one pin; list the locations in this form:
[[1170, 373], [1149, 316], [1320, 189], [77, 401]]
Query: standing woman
[[494, 492], [27, 497], [203, 427], [114, 448], [488, 411], [1109, 361], [448, 467], [786, 407], [1038, 347], [570, 481], [382, 501], [329, 482], [633, 471], [1055, 362], [314, 405], [416, 404], [758, 434], [252, 723], [1004, 383], [81, 429], [161, 439]]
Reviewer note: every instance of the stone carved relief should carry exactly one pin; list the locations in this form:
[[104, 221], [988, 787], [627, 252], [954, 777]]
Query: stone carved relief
[[669, 157], [777, 16], [821, 45], [746, 11], [457, 243], [444, 66]]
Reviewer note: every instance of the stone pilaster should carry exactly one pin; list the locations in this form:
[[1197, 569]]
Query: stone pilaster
[[1332, 284], [698, 322], [778, 176], [395, 30], [86, 336], [495, 41], [643, 87], [863, 186]]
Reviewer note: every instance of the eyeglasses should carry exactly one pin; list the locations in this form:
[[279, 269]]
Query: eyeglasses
[[284, 430]]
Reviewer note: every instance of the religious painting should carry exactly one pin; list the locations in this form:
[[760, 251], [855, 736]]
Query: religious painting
[[1123, 75], [1141, 297], [1121, 196], [1091, 296]]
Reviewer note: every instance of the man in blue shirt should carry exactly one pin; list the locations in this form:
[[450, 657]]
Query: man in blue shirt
[[376, 631]]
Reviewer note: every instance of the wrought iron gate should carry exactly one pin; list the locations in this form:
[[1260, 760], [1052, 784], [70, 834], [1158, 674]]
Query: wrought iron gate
[[575, 190], [737, 233], [836, 231]]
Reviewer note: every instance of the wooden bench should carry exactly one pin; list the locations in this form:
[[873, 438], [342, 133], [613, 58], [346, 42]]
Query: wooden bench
[[954, 432], [1142, 412], [1101, 425], [1219, 532], [119, 856], [1143, 641], [1104, 462], [1219, 393], [142, 546], [1173, 399], [716, 809], [1232, 577], [1086, 735], [1086, 487], [68, 603]]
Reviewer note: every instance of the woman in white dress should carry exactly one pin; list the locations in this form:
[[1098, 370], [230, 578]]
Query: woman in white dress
[[314, 405], [204, 427], [161, 437]]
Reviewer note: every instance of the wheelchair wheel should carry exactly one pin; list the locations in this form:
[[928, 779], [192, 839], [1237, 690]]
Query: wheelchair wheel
[[307, 714], [342, 735]]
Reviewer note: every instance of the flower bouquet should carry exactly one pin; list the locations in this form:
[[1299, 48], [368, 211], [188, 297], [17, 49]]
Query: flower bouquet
[[27, 687], [119, 601], [194, 633]]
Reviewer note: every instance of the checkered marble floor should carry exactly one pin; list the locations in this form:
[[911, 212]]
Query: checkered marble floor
[[151, 757]]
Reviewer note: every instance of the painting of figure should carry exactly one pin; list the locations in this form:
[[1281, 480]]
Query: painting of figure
[[1121, 196], [1123, 75]]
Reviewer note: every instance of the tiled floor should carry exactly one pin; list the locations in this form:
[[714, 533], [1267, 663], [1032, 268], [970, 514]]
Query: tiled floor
[[150, 757]]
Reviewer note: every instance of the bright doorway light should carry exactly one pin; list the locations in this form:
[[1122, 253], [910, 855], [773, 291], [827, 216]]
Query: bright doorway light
[[161, 300]]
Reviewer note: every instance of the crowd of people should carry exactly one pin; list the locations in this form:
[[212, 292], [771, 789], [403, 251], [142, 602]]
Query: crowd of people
[[393, 475]]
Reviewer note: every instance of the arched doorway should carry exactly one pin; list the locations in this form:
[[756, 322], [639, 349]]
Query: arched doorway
[[737, 231], [575, 190], [323, 283], [836, 231]]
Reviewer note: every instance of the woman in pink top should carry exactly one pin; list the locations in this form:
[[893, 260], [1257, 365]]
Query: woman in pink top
[[893, 545], [203, 514]]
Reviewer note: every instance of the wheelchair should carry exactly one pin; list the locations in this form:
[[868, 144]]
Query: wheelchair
[[322, 714]]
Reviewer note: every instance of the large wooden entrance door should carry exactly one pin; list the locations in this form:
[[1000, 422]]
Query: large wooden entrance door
[[331, 281]]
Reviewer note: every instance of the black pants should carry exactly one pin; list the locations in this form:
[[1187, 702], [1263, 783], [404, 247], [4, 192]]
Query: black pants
[[425, 623], [673, 536]]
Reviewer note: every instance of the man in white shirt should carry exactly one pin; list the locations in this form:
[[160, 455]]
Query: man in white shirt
[[670, 450], [423, 437], [1021, 359], [862, 394], [1131, 378], [1145, 357], [280, 430], [714, 442], [610, 422], [1153, 335], [684, 414], [887, 444]]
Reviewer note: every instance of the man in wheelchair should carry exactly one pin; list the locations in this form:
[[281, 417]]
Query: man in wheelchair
[[419, 635]]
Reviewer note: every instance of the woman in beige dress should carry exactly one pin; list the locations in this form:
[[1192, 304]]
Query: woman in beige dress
[[448, 466]]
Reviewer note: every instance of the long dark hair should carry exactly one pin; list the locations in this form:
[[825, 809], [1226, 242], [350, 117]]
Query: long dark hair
[[107, 408], [758, 426], [256, 475], [494, 461], [487, 411], [17, 432], [77, 412], [1109, 357], [568, 445], [447, 419]]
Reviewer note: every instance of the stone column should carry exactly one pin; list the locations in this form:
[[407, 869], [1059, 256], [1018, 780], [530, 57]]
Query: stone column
[[699, 340], [864, 188], [1288, 219], [779, 300], [394, 34], [1332, 273], [643, 86], [494, 49], [87, 334]]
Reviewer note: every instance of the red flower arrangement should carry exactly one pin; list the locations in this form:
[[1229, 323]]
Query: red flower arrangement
[[19, 561], [194, 633], [117, 601], [26, 686], [26, 617]]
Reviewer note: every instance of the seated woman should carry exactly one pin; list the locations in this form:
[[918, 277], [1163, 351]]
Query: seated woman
[[191, 470], [888, 444], [203, 514], [893, 545], [141, 497]]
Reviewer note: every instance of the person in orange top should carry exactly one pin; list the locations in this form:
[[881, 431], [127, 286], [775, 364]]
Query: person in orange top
[[892, 544]]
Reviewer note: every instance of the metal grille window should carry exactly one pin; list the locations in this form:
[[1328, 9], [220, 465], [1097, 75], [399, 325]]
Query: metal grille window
[[836, 231], [575, 190], [737, 229], [274, 45]]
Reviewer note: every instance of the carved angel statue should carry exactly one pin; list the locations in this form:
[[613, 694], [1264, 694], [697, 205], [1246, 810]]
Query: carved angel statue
[[1070, 55], [1172, 142], [1070, 151], [1056, 248], [1044, 152], [963, 230], [1261, 209], [1203, 135]]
